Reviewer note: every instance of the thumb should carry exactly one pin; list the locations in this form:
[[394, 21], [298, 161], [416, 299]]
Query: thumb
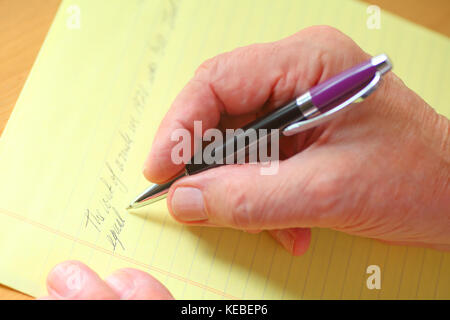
[[241, 197]]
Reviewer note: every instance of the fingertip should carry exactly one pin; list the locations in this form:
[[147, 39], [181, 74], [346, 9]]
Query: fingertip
[[149, 173], [57, 279], [154, 168], [296, 240], [132, 284], [284, 238], [160, 176], [158, 166], [302, 240], [74, 280]]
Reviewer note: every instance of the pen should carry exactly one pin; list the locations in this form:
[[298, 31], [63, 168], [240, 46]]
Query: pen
[[318, 105]]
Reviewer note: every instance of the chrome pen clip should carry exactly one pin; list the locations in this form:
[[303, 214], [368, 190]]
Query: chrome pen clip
[[301, 126]]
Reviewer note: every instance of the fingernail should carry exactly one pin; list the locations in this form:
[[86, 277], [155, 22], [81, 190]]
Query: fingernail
[[66, 280], [122, 283], [286, 239], [187, 204]]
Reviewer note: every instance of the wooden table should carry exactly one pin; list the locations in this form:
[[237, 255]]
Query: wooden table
[[24, 24]]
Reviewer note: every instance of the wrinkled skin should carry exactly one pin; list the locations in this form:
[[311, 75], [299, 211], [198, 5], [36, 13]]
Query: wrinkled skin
[[380, 171]]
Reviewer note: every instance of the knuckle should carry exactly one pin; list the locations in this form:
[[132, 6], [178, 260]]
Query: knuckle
[[325, 30], [241, 210], [203, 68], [334, 44], [327, 35], [207, 67]]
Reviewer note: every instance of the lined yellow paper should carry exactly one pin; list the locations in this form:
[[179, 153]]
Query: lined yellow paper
[[72, 153]]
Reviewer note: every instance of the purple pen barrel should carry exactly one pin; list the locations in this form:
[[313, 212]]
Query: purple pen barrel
[[330, 90]]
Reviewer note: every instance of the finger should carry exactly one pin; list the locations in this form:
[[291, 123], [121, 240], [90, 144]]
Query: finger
[[132, 284], [239, 196], [295, 240], [74, 280], [242, 81]]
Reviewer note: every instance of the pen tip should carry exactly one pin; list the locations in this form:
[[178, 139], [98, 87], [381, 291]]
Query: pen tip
[[129, 207]]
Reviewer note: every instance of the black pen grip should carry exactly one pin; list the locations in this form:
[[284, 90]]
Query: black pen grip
[[276, 119]]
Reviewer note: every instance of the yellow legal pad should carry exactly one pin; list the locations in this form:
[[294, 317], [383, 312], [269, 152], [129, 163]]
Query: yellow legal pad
[[84, 123]]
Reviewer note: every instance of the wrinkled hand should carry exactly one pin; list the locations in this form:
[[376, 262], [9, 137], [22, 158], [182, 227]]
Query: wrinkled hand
[[380, 171], [75, 281]]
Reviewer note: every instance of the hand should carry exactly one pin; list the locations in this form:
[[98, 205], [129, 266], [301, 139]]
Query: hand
[[380, 171], [75, 281]]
